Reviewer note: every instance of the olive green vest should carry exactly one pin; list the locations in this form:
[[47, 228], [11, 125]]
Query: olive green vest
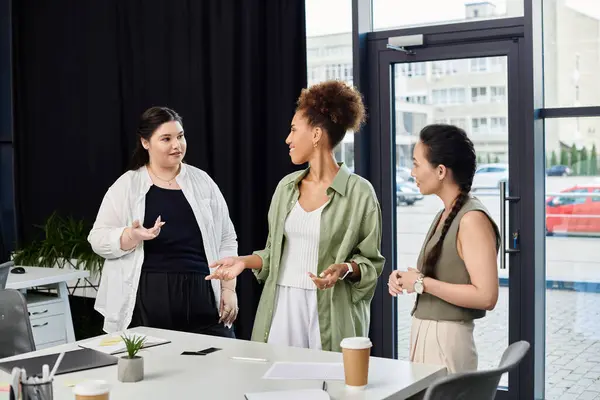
[[450, 268]]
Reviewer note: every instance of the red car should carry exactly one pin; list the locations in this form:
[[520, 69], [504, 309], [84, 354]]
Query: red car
[[578, 212]]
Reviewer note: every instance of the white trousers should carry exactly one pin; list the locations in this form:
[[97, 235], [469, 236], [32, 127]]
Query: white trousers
[[295, 318]]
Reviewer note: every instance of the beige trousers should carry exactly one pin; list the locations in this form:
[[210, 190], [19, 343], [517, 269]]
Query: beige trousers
[[447, 343]]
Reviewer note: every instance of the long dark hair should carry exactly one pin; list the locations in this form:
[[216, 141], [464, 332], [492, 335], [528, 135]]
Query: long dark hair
[[150, 121], [450, 146]]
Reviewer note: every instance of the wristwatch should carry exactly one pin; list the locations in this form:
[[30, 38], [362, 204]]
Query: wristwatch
[[350, 270], [419, 286]]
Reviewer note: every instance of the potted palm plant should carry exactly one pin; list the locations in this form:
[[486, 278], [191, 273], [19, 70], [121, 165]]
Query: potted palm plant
[[64, 244], [131, 366]]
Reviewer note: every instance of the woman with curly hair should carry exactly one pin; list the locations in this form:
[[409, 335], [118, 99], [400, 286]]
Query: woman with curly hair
[[322, 257], [456, 279]]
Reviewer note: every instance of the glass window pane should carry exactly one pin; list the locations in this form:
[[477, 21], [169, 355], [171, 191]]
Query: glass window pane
[[415, 212], [572, 262], [329, 53], [390, 14], [571, 53]]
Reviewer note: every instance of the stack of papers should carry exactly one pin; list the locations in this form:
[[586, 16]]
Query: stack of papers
[[297, 370], [113, 344]]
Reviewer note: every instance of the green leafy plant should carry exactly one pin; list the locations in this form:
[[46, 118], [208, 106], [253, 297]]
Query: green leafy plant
[[64, 241], [133, 344]]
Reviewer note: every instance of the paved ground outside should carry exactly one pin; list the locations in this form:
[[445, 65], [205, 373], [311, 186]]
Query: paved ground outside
[[572, 317]]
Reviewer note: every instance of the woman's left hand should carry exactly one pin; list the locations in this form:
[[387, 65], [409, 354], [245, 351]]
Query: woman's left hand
[[329, 277], [229, 306], [404, 279]]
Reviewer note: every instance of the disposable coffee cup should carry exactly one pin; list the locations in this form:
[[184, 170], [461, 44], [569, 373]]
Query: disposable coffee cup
[[356, 352], [92, 390]]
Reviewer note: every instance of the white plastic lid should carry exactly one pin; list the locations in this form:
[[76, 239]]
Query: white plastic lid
[[356, 343], [91, 388]]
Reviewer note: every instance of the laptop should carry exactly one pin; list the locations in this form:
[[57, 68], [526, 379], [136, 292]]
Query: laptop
[[73, 361]]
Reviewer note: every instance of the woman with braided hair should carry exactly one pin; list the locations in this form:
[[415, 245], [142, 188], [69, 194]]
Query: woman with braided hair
[[456, 279]]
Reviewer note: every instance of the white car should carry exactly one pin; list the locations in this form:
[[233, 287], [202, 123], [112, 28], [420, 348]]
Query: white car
[[489, 176]]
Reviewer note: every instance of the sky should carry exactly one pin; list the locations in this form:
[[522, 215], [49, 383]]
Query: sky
[[335, 16]]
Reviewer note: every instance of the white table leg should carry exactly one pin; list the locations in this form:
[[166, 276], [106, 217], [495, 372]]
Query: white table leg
[[64, 295]]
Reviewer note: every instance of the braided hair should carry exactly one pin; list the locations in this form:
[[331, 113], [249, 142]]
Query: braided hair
[[450, 146]]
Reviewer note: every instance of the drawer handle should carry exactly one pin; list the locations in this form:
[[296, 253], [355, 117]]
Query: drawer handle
[[39, 325], [39, 312]]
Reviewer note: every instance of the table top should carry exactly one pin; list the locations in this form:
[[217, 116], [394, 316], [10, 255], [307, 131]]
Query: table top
[[39, 276], [169, 375]]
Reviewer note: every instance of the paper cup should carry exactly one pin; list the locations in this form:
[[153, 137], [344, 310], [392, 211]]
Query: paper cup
[[92, 390], [356, 352]]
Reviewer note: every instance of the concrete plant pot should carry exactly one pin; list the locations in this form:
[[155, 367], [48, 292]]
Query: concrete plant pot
[[130, 369]]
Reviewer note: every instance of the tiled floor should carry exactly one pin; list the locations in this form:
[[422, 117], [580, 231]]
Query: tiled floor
[[572, 345]]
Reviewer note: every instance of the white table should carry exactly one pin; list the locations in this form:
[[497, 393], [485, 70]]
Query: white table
[[50, 316], [169, 375]]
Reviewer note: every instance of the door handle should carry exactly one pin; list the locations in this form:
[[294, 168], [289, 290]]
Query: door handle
[[503, 249], [39, 325]]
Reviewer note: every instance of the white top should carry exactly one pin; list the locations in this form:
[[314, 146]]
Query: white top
[[39, 276], [124, 203], [169, 375], [302, 231]]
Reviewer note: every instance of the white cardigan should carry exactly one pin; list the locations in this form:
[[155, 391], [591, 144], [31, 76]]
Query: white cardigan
[[124, 203]]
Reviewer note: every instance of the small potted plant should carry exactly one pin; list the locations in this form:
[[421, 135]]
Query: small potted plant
[[131, 366]]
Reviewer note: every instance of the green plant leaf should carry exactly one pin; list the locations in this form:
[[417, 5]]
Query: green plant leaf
[[133, 344], [64, 239]]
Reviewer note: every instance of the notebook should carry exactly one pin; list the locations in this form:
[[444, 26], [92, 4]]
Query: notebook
[[73, 361], [113, 344]]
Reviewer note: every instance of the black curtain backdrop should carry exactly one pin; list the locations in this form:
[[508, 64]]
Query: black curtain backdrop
[[86, 70]]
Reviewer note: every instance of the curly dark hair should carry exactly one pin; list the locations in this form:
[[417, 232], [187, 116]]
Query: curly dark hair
[[334, 106]]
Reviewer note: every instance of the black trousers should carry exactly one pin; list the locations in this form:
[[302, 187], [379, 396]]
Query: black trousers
[[179, 301]]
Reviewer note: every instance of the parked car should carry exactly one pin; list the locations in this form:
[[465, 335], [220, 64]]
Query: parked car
[[559, 170], [404, 173], [489, 176], [407, 192], [577, 212]]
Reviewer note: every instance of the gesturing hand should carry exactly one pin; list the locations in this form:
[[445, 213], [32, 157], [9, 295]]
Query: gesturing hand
[[329, 277], [227, 268], [138, 232]]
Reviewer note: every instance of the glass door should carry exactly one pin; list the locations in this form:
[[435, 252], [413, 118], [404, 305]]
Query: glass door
[[470, 86]]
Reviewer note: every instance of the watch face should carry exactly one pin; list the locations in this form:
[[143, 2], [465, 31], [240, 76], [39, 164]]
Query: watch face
[[419, 287]]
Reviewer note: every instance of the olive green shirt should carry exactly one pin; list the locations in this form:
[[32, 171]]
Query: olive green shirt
[[350, 231]]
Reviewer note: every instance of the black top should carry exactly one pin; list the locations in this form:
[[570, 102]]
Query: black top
[[179, 246]]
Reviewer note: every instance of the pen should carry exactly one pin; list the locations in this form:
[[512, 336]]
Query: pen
[[56, 364], [249, 359]]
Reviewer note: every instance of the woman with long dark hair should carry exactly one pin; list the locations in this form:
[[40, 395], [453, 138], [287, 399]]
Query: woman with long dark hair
[[160, 226], [456, 279]]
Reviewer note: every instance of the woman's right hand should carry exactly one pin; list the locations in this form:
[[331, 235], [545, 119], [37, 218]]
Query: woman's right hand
[[394, 285], [227, 268], [138, 233]]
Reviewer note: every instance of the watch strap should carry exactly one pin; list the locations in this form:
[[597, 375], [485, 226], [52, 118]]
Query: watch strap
[[348, 272]]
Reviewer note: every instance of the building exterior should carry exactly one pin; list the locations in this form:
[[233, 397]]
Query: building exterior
[[472, 93]]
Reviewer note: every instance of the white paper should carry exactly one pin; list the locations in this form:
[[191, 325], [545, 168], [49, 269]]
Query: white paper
[[317, 371], [313, 394], [113, 344]]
